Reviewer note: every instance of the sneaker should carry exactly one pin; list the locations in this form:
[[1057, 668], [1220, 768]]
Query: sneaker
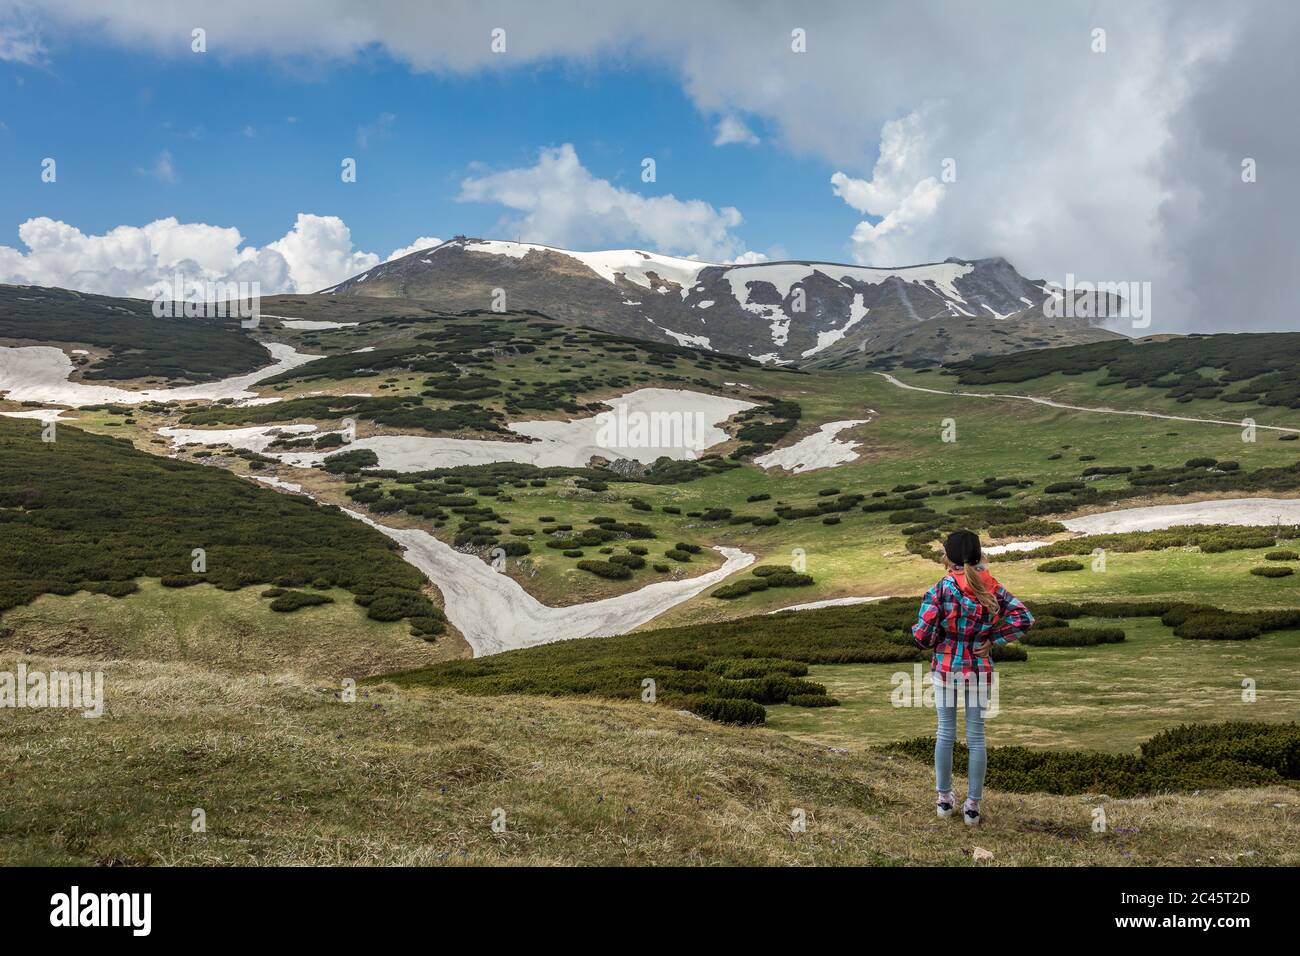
[[970, 812], [944, 803]]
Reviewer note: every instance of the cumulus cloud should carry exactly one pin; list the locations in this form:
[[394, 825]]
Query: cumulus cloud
[[732, 129], [1109, 165], [130, 260], [424, 242], [745, 259], [900, 193], [563, 204], [319, 252]]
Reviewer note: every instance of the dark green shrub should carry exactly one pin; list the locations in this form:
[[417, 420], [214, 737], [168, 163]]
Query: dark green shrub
[[1217, 627], [605, 569], [181, 580], [1265, 571], [740, 668], [1059, 564], [727, 711], [1072, 636], [291, 601], [1186, 758]]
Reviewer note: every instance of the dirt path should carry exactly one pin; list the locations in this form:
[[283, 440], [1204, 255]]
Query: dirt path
[[1078, 408]]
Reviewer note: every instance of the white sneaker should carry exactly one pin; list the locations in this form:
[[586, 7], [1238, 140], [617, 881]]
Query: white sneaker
[[970, 812], [943, 804]]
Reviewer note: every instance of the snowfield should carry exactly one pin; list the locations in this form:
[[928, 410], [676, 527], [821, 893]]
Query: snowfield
[[39, 373], [830, 602], [1245, 512], [821, 449], [496, 614], [1234, 511], [311, 325], [643, 425]]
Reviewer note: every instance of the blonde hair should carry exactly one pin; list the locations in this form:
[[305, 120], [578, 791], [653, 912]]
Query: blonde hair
[[980, 587]]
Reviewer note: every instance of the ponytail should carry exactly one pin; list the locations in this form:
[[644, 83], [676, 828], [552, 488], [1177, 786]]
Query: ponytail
[[981, 588]]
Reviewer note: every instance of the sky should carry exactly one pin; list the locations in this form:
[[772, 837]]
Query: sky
[[1103, 140]]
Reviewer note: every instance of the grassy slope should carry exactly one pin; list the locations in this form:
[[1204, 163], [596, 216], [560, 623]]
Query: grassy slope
[[124, 340], [902, 444], [1084, 390], [1110, 697], [234, 630], [286, 774]]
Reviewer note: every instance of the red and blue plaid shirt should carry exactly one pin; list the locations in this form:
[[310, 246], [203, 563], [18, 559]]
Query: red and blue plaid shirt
[[952, 623]]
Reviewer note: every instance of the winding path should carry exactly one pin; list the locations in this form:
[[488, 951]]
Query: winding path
[[1078, 408]]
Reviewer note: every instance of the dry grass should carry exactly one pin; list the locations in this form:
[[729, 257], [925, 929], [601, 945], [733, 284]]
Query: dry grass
[[289, 774]]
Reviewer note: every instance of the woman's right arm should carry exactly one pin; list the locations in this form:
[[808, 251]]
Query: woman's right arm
[[1014, 620], [928, 627]]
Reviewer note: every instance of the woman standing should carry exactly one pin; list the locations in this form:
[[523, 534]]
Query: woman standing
[[961, 618]]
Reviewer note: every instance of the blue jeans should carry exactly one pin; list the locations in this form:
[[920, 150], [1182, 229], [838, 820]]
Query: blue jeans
[[945, 702]]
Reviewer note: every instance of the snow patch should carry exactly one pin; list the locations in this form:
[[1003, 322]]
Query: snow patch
[[821, 449], [39, 373]]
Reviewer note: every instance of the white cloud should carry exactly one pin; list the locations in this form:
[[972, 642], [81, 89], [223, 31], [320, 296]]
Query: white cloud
[[1109, 165], [19, 42], [732, 129], [424, 242], [746, 259], [319, 252], [563, 204], [899, 193], [128, 260], [163, 169]]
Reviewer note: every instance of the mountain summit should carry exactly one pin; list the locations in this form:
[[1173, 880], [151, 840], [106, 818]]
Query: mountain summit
[[792, 312]]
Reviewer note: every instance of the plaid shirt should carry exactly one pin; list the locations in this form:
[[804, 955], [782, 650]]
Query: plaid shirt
[[951, 624]]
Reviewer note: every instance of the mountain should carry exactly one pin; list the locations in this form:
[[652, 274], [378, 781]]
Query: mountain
[[795, 312]]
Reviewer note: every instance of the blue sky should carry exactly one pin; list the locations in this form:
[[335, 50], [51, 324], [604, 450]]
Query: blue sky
[[1103, 139], [253, 144]]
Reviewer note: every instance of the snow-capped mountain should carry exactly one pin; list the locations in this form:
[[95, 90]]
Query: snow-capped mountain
[[796, 312]]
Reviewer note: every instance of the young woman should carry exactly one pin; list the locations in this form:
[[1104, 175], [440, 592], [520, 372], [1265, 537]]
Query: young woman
[[961, 618]]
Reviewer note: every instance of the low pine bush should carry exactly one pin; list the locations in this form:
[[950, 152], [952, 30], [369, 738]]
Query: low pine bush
[[1059, 564], [1185, 758], [726, 710], [1217, 627], [291, 601], [1267, 571], [1072, 636], [606, 569]]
